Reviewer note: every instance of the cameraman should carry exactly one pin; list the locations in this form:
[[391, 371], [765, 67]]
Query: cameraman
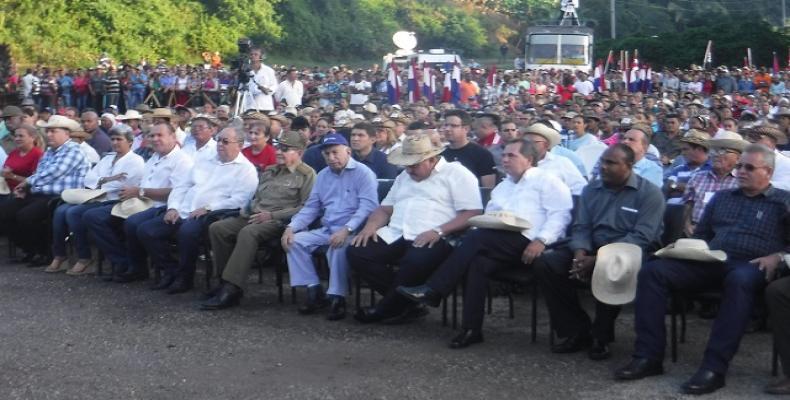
[[262, 84]]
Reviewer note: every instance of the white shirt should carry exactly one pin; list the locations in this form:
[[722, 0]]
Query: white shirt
[[166, 171], [90, 153], [291, 92], [215, 185], [421, 206], [181, 136], [28, 81], [256, 99], [584, 87], [358, 99], [564, 169], [131, 164], [538, 197], [205, 152], [781, 177]]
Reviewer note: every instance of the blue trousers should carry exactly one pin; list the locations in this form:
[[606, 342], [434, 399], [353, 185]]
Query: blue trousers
[[109, 233], [740, 280], [68, 219], [154, 234]]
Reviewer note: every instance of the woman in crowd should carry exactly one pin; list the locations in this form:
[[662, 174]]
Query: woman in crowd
[[115, 171], [260, 153], [23, 160]]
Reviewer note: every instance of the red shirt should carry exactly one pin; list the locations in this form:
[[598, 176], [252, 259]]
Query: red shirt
[[22, 166], [263, 159]]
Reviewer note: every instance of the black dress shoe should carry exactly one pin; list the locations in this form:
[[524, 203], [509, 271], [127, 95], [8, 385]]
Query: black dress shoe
[[38, 260], [164, 282], [573, 344], [704, 381], [466, 338], [131, 276], [639, 368], [229, 295], [599, 350], [337, 308], [316, 300], [180, 285], [781, 387], [211, 293], [367, 315], [421, 294], [410, 314]]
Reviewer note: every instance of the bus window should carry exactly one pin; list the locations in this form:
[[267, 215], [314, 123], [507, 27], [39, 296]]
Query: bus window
[[574, 49], [543, 49]]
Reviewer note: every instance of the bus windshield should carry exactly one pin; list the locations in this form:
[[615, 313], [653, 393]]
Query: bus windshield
[[558, 49]]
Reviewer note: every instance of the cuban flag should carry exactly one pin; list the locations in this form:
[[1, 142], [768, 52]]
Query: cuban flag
[[414, 92], [647, 84], [428, 83], [455, 82], [393, 85], [626, 68], [452, 77], [636, 77], [598, 77]]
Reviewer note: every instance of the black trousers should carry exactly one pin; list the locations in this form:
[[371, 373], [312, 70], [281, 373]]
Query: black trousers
[[777, 296], [26, 222], [481, 253], [375, 263], [567, 315]]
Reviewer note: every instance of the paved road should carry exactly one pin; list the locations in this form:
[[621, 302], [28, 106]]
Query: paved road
[[63, 337]]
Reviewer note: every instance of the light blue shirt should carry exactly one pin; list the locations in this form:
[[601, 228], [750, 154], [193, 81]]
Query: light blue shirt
[[345, 198], [576, 143], [650, 171], [562, 151]]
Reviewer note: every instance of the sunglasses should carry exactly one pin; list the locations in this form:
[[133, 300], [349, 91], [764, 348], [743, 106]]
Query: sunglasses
[[226, 141], [747, 167], [721, 152], [284, 147]]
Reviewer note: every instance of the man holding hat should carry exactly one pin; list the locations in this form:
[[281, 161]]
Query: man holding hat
[[63, 166], [725, 150], [532, 194], [344, 195], [200, 144], [769, 135], [747, 232], [694, 148], [621, 207], [282, 191], [444, 195]]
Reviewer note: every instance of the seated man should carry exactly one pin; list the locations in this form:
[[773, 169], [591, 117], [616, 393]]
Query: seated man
[[777, 297], [62, 167], [200, 143], [694, 148], [431, 199], [345, 193], [622, 207], [769, 135], [226, 181], [750, 224], [363, 139], [282, 191], [725, 150], [545, 139], [470, 154], [167, 168], [530, 193], [638, 140]]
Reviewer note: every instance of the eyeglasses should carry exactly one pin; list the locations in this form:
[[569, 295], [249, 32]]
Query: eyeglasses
[[747, 167], [226, 141], [284, 147], [721, 152]]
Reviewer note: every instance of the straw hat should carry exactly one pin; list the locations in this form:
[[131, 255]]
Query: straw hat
[[129, 207], [698, 137], [130, 115], [692, 249], [79, 134], [728, 140], [59, 121], [163, 113], [772, 131], [551, 135], [413, 150], [80, 196], [503, 220], [614, 276], [208, 118]]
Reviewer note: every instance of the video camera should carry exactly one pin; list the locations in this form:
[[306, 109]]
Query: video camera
[[242, 64]]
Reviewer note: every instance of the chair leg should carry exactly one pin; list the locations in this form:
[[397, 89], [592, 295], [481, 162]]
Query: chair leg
[[510, 306], [683, 322], [489, 301], [444, 311], [534, 327], [260, 274], [455, 309], [774, 359], [99, 262], [209, 270], [279, 278], [674, 336], [372, 297], [358, 290], [293, 295]]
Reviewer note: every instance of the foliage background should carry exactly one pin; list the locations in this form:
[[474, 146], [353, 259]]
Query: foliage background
[[76, 32]]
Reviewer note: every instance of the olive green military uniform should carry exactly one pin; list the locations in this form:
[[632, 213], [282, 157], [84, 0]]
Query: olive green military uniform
[[281, 191]]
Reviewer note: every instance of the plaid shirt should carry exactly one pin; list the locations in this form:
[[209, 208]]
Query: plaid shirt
[[59, 169], [700, 189], [747, 227]]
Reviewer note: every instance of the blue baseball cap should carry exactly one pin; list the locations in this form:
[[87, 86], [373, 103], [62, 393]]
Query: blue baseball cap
[[333, 139]]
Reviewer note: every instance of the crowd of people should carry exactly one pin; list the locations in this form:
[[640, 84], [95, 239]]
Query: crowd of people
[[531, 170]]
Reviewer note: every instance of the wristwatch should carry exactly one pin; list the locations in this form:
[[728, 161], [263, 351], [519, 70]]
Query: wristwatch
[[542, 240], [438, 230], [349, 229], [141, 192]]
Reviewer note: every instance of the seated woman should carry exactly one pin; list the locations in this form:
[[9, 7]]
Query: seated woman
[[260, 153], [23, 160], [116, 170]]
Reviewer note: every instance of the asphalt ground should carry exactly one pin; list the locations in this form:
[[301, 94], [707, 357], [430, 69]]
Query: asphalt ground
[[64, 337]]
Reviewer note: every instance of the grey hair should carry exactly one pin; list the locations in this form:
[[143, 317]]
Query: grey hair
[[123, 130], [769, 157], [238, 132], [528, 149]]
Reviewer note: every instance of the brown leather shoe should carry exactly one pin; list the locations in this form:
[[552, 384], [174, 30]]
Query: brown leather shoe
[[781, 387]]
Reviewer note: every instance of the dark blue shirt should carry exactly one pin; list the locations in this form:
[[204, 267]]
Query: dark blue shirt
[[746, 227], [377, 161], [313, 157]]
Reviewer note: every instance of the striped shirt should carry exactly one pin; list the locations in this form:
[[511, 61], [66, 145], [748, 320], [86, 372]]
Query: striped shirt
[[61, 168]]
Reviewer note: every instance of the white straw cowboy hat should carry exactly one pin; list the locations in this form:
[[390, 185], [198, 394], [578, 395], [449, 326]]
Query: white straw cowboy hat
[[81, 196], [130, 115], [163, 113], [728, 140], [696, 136], [503, 220], [551, 135], [129, 207], [692, 249], [59, 121], [614, 276], [413, 150]]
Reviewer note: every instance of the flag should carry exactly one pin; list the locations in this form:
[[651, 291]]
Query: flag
[[455, 82], [776, 64], [749, 56], [609, 60], [635, 77], [393, 86], [707, 60], [626, 70], [647, 77], [597, 74], [428, 83], [414, 93]]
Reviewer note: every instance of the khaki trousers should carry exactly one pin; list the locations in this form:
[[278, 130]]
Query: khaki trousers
[[235, 243]]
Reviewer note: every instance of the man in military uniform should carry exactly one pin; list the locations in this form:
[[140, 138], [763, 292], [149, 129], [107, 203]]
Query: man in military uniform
[[282, 191]]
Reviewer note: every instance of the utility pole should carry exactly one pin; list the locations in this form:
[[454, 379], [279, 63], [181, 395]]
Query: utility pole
[[612, 18], [784, 15]]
